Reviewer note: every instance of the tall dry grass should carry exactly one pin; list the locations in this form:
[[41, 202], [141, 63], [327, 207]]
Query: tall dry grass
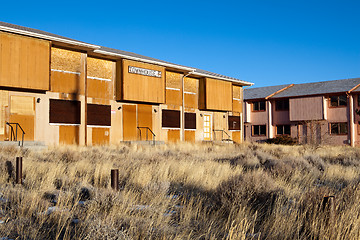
[[181, 191]]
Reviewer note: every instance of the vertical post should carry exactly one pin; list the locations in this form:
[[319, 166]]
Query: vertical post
[[19, 170], [115, 179], [328, 207]]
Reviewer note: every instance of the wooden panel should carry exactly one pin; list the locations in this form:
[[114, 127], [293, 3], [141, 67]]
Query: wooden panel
[[173, 97], [237, 106], [173, 80], [173, 135], [190, 136], [218, 95], [129, 122], [64, 111], [100, 89], [236, 136], [144, 115], [306, 108], [99, 115], [27, 124], [191, 85], [66, 83], [24, 62], [69, 134], [22, 105], [191, 101], [202, 93], [140, 88], [100, 74], [65, 60], [170, 118], [237, 92], [4, 103], [100, 136]]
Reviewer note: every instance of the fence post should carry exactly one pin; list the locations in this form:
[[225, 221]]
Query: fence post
[[115, 179], [19, 170], [328, 207]]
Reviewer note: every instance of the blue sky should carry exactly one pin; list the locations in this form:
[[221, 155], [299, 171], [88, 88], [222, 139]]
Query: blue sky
[[264, 42]]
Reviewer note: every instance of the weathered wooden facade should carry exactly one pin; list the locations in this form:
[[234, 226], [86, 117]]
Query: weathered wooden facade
[[62, 91]]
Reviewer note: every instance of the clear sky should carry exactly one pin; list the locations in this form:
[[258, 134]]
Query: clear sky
[[265, 42]]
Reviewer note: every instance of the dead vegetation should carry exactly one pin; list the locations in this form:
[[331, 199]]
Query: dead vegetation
[[182, 191]]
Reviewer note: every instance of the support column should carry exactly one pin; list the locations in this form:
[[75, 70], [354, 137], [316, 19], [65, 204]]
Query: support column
[[270, 133], [351, 120], [83, 78]]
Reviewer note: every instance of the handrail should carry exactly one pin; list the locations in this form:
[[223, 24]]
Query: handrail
[[222, 134], [13, 136], [147, 129]]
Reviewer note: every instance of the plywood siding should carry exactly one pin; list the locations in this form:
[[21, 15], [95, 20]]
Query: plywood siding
[[173, 80], [100, 74], [69, 134], [191, 93], [129, 122], [144, 115], [236, 136], [140, 88], [24, 62], [173, 135], [190, 136], [306, 108], [218, 95], [100, 136], [173, 97], [237, 99], [66, 67]]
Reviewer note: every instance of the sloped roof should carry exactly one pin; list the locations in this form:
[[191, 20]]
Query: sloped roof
[[104, 50], [318, 88], [262, 92]]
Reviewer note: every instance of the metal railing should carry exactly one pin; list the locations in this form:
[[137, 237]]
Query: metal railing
[[147, 129], [228, 139], [14, 134]]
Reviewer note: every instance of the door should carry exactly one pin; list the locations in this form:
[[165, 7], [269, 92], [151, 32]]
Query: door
[[22, 111], [207, 127]]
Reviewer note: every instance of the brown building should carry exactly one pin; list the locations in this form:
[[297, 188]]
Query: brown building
[[63, 91], [315, 113]]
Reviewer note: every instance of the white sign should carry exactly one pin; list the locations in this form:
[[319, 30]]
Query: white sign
[[145, 72]]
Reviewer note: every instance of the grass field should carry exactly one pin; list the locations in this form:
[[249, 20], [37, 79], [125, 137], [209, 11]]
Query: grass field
[[182, 191]]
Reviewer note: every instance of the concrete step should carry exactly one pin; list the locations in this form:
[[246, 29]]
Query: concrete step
[[33, 145], [144, 142]]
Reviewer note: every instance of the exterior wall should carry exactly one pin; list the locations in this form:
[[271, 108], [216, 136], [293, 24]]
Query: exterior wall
[[255, 118], [135, 100], [306, 108]]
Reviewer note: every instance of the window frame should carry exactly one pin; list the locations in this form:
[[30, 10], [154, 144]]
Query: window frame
[[64, 112], [285, 103], [282, 126], [259, 126], [258, 103], [338, 101], [232, 119], [189, 116], [339, 128]]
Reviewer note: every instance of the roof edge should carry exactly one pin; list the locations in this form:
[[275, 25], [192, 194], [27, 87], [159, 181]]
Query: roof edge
[[225, 79], [279, 91], [47, 37]]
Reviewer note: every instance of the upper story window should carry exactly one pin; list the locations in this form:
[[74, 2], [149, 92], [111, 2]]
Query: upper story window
[[282, 105], [339, 128], [258, 106], [358, 100], [283, 130], [338, 101]]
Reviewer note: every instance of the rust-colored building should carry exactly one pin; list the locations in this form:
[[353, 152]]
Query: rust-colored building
[[63, 91], [314, 113]]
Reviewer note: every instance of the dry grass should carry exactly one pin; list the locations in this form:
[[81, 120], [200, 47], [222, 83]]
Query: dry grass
[[181, 191]]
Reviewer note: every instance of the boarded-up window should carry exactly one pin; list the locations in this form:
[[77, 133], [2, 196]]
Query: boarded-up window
[[234, 123], [99, 115], [190, 120], [64, 111], [170, 119]]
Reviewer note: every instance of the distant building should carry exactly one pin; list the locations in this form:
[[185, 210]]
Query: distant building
[[63, 91], [315, 113]]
